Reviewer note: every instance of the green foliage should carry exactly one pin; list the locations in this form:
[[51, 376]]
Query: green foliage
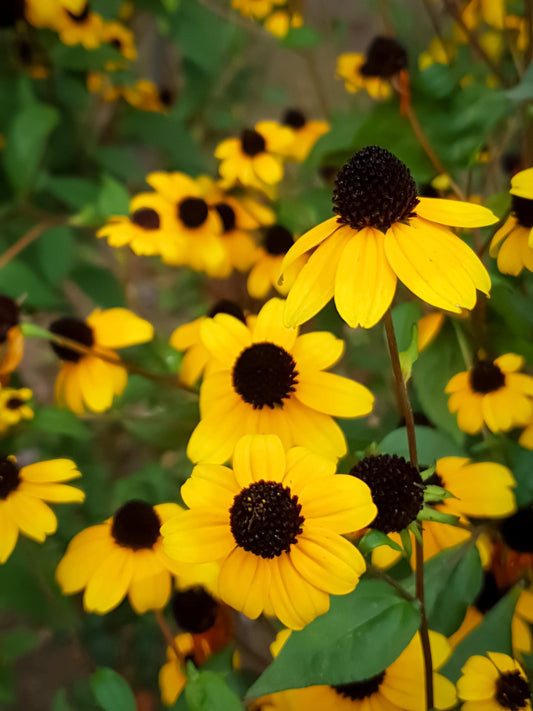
[[112, 691], [431, 444], [207, 691]]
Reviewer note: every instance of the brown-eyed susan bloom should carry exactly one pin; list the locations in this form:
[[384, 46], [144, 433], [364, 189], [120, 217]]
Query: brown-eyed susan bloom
[[305, 133], [384, 59], [264, 378], [83, 27], [11, 338], [399, 687], [513, 243], [276, 242], [87, 381], [493, 683], [254, 158], [14, 407], [385, 232], [23, 493], [122, 556], [274, 522], [492, 392]]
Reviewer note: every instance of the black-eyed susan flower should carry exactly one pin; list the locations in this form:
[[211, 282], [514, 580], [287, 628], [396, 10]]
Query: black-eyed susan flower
[[493, 683], [187, 338], [274, 522], [255, 158], [83, 27], [14, 407], [492, 392], [276, 242], [150, 225], [88, 382], [257, 9], [513, 243], [145, 96], [399, 687], [23, 493], [384, 59], [121, 39], [266, 379], [11, 338], [122, 556], [384, 232], [281, 21], [305, 133]]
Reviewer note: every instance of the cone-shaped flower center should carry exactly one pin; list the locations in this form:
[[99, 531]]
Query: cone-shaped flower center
[[252, 142], [194, 609], [397, 490], [81, 16], [486, 377], [193, 212], [14, 403], [294, 118], [146, 218], [9, 477], [265, 519], [517, 531], [384, 58], [264, 375], [75, 329], [278, 240], [9, 316], [512, 691], [225, 306], [360, 689], [227, 215], [136, 525], [374, 189], [523, 209]]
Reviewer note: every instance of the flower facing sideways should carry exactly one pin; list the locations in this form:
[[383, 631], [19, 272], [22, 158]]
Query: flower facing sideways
[[385, 232], [493, 683], [274, 523]]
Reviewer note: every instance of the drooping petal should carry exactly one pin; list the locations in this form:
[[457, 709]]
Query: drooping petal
[[314, 430], [309, 241], [55, 493], [109, 583], [119, 328], [151, 584], [244, 582], [32, 516], [455, 213], [210, 485], [50, 471]]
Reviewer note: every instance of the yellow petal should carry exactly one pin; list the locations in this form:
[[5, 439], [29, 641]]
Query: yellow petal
[[199, 536], [455, 213], [510, 362], [8, 533], [305, 467], [522, 184], [269, 326], [244, 582], [151, 584], [268, 168], [215, 435], [258, 457], [118, 328], [55, 493], [50, 471], [210, 485], [314, 430], [109, 583], [33, 517], [318, 350], [333, 394], [309, 241], [225, 337]]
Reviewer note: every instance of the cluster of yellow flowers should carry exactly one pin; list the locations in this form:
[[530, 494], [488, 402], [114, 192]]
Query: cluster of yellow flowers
[[276, 16]]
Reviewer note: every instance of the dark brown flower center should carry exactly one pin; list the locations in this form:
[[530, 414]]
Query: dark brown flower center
[[147, 218], [9, 477], [374, 189], [116, 43], [360, 689], [264, 375], [512, 691], [193, 212], [9, 316], [14, 403], [486, 377], [81, 16], [252, 142], [166, 97], [523, 209], [224, 306], [384, 58], [517, 531], [265, 519], [11, 11], [278, 240], [136, 525], [76, 330], [194, 609], [294, 118], [397, 490], [227, 215]]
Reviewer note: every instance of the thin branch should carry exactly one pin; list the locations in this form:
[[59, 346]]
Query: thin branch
[[30, 236], [167, 634]]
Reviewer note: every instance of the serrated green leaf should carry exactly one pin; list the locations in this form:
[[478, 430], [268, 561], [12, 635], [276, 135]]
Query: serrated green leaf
[[112, 691]]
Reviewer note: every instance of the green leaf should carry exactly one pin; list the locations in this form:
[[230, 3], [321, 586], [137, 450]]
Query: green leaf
[[60, 422], [15, 643], [100, 284], [55, 250], [60, 702], [18, 279], [113, 198], [404, 317], [524, 90], [112, 691], [492, 635], [75, 193], [431, 444], [301, 38], [430, 514], [362, 634], [373, 539], [409, 356], [26, 142], [521, 464], [207, 691], [436, 493]]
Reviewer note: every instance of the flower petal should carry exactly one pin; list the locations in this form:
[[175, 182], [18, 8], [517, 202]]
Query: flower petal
[[151, 584], [225, 337], [258, 457], [309, 241], [119, 328], [269, 326], [199, 536], [293, 599], [244, 582], [314, 430], [109, 583], [50, 471], [32, 516], [455, 213], [8, 532], [318, 350], [210, 485], [333, 394]]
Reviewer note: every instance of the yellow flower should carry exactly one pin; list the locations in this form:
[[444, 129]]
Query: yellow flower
[[384, 232], [87, 382], [23, 493], [84, 27], [280, 22], [144, 95], [492, 12], [428, 328], [491, 392], [274, 522], [513, 243], [267, 379], [384, 59], [172, 679], [254, 159], [11, 338], [255, 8], [122, 39], [13, 407], [399, 687], [277, 241], [100, 83], [440, 51], [122, 556], [150, 228], [305, 133], [493, 683]]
